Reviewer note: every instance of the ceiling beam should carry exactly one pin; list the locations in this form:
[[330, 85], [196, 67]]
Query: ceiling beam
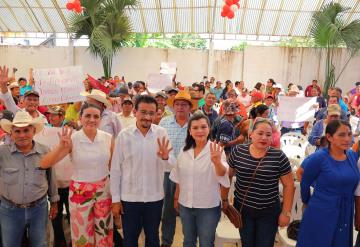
[[160, 17], [4, 24], [34, 15], [61, 14], [243, 16], [278, 18], [263, 4], [13, 14], [142, 17], [352, 12], [318, 7], [295, 18], [175, 17], [192, 16], [46, 17], [36, 24]]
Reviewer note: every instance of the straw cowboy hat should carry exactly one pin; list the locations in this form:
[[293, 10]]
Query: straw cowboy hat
[[183, 95], [22, 119], [98, 96]]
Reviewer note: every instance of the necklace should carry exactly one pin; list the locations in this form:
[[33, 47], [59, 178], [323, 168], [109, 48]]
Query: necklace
[[257, 153]]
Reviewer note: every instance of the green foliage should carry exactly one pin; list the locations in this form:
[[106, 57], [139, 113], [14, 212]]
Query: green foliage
[[239, 47], [330, 31], [298, 42], [182, 41], [106, 26]]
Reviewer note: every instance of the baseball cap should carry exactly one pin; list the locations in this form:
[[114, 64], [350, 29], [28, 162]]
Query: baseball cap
[[334, 109], [269, 96], [123, 91], [6, 114], [230, 107], [13, 85], [56, 110], [161, 94], [168, 89], [31, 92]]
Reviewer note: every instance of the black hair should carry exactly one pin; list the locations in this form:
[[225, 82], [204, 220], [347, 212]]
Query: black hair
[[257, 111], [357, 83], [147, 99], [334, 125], [87, 105], [237, 83], [337, 98], [201, 88], [290, 84], [258, 85], [21, 79], [272, 81], [189, 141]]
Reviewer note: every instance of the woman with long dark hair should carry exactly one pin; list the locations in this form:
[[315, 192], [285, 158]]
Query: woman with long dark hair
[[328, 217], [228, 87], [201, 168]]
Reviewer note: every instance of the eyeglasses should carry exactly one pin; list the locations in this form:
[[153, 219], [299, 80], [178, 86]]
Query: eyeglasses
[[145, 113]]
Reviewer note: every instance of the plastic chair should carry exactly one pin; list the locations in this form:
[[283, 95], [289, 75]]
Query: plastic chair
[[294, 145], [225, 231], [296, 214]]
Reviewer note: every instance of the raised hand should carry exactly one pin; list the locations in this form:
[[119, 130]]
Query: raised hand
[[215, 152], [164, 148], [65, 137], [4, 76]]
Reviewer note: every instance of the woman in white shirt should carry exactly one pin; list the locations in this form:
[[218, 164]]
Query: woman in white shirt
[[201, 168], [90, 150]]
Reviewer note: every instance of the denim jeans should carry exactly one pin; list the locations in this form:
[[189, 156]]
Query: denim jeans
[[168, 222], [260, 229], [139, 215], [14, 220], [57, 222], [199, 222]]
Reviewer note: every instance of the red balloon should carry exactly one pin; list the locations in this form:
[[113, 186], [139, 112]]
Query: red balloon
[[236, 1], [231, 15], [70, 6], [226, 9], [223, 14], [78, 9], [229, 2]]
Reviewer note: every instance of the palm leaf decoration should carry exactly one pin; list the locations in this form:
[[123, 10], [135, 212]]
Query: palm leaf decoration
[[330, 31], [106, 25]]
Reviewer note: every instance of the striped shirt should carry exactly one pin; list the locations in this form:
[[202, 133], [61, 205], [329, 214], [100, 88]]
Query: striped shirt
[[264, 191]]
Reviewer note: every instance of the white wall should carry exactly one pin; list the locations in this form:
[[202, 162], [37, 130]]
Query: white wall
[[284, 65]]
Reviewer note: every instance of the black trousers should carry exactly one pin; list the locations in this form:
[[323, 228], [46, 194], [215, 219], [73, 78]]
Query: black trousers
[[59, 236]]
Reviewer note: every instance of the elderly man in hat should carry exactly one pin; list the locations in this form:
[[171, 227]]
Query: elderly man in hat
[[176, 126], [24, 186], [126, 117], [110, 123], [31, 98]]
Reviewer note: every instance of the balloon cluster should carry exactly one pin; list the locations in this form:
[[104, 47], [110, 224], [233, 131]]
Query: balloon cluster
[[74, 5], [229, 8]]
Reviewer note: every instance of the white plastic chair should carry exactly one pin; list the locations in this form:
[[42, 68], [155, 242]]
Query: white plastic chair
[[226, 231], [294, 146], [296, 214]]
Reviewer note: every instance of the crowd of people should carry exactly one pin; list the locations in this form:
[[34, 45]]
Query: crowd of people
[[138, 159]]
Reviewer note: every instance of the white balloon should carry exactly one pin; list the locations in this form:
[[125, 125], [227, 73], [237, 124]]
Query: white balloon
[[233, 7]]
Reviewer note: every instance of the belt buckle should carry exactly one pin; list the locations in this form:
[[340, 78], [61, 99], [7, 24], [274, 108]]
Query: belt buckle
[[24, 205]]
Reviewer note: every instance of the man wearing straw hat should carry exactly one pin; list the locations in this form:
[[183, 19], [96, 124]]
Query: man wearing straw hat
[[24, 186], [31, 98], [109, 120]]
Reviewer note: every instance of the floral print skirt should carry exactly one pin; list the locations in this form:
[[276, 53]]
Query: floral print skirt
[[90, 214]]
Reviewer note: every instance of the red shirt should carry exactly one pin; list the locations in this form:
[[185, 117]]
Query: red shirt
[[309, 88]]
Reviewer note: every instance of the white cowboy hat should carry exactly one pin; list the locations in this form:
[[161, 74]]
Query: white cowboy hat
[[97, 95], [22, 119]]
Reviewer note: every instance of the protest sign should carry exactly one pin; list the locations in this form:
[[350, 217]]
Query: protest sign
[[168, 68], [59, 85], [296, 109], [157, 82]]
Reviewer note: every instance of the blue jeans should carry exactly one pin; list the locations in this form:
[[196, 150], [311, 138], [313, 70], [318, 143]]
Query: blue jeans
[[168, 222], [14, 220], [138, 215], [199, 222], [260, 229]]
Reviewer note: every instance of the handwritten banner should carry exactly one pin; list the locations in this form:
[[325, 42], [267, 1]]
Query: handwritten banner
[[296, 109], [59, 85]]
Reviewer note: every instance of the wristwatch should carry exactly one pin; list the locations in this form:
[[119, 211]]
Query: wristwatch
[[286, 213]]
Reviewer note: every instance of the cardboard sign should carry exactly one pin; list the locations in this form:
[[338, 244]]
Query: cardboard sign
[[168, 68], [296, 109], [59, 85], [157, 82]]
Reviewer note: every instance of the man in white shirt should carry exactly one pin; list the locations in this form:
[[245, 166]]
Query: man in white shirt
[[126, 117], [137, 174]]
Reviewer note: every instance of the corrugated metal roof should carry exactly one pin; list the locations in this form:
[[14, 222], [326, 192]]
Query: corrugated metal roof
[[255, 17]]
